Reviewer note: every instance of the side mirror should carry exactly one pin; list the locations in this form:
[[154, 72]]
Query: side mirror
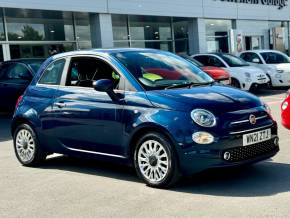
[[256, 61], [106, 85]]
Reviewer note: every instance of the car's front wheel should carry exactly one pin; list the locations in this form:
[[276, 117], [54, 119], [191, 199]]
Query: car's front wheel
[[26, 146], [155, 161], [235, 83]]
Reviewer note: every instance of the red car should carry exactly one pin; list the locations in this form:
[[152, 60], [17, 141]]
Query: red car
[[218, 74], [285, 107]]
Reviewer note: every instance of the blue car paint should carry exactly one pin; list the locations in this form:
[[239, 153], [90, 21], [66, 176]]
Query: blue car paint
[[92, 122], [11, 89]]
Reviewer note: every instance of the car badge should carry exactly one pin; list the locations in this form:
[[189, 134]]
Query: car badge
[[253, 119]]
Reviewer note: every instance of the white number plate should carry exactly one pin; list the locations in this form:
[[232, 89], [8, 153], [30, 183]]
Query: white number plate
[[263, 81], [256, 137]]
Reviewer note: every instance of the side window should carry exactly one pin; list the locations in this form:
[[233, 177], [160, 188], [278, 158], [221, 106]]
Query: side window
[[3, 71], [83, 71], [15, 71], [202, 59], [215, 62], [52, 74], [245, 56], [251, 57]]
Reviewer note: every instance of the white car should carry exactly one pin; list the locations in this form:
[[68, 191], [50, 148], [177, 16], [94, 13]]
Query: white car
[[243, 75], [274, 63]]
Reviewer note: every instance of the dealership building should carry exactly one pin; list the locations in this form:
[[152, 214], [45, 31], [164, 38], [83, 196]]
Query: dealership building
[[37, 28]]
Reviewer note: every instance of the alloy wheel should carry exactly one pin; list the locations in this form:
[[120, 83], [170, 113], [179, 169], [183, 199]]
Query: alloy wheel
[[25, 145], [153, 161]]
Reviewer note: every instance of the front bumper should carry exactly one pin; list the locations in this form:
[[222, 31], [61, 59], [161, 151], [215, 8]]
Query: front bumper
[[199, 158]]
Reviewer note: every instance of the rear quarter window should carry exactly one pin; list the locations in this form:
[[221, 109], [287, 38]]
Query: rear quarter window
[[52, 74]]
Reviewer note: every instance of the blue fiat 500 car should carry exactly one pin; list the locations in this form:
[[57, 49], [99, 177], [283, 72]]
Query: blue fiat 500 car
[[144, 107]]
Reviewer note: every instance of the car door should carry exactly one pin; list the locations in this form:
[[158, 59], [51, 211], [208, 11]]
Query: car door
[[14, 79], [89, 121]]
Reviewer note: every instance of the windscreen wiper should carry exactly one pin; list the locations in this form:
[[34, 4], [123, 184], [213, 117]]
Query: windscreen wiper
[[189, 85]]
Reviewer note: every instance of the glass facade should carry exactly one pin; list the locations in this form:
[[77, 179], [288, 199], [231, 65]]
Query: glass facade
[[41, 33], [217, 35], [31, 25], [28, 33], [163, 33]]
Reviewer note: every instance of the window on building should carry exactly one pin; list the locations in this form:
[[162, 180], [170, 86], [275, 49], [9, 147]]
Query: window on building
[[217, 35], [120, 30], [151, 32], [2, 33], [83, 30], [38, 50], [180, 28], [39, 25]]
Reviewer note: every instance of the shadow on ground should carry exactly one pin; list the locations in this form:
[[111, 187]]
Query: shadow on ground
[[5, 134], [264, 179], [270, 92]]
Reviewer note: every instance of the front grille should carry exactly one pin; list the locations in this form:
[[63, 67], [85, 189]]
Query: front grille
[[249, 152]]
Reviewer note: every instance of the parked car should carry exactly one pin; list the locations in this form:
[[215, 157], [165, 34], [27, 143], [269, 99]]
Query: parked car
[[243, 75], [217, 73], [276, 64], [15, 76], [104, 104], [285, 107]]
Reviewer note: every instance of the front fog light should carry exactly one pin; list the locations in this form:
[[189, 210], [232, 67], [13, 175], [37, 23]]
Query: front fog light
[[284, 105], [202, 138]]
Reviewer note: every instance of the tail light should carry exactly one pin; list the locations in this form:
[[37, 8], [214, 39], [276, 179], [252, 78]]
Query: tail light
[[18, 101]]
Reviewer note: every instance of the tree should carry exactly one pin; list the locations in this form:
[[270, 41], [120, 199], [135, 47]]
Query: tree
[[28, 34]]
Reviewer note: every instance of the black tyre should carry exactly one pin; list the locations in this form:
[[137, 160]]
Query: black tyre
[[235, 83], [155, 161], [26, 146]]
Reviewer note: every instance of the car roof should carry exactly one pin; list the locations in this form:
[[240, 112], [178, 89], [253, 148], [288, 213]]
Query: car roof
[[103, 51], [262, 50], [213, 53]]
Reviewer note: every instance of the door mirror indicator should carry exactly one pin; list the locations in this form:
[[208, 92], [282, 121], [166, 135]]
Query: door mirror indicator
[[106, 85]]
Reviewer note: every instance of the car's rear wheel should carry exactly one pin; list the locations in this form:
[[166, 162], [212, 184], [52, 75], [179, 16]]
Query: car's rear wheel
[[26, 146], [155, 161]]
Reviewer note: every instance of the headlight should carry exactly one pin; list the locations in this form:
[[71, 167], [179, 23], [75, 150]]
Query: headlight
[[285, 105], [248, 75], [202, 138], [203, 118]]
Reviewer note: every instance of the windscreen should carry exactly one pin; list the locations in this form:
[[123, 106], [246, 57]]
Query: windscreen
[[234, 61], [160, 70]]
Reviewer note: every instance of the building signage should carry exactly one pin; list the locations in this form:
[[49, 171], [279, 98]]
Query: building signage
[[278, 3]]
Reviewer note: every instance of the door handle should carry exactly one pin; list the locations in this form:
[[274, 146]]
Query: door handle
[[60, 104]]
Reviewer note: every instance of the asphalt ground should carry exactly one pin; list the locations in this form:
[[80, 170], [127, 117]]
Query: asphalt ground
[[70, 187]]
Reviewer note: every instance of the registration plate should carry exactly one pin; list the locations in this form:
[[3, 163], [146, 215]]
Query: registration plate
[[262, 81], [256, 137]]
